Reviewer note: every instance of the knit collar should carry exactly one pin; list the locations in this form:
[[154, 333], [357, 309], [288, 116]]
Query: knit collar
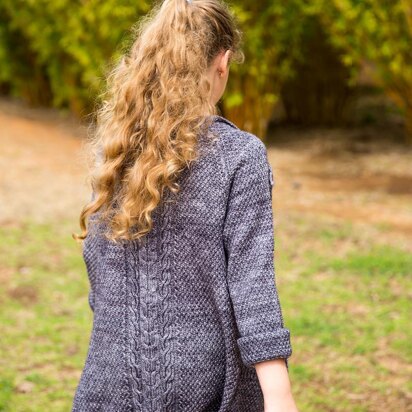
[[219, 118]]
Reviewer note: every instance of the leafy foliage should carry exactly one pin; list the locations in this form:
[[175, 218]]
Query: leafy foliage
[[381, 32], [272, 43], [57, 52], [68, 42]]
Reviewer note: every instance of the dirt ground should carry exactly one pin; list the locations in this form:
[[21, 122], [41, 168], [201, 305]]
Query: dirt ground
[[42, 166], [345, 175]]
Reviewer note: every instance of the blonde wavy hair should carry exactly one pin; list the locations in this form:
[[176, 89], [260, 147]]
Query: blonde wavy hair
[[154, 107]]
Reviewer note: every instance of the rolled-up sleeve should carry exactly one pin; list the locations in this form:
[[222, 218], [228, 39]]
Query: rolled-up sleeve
[[249, 247]]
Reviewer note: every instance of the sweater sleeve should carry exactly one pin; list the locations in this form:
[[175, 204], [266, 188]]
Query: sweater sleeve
[[249, 248], [90, 258], [90, 275], [91, 245]]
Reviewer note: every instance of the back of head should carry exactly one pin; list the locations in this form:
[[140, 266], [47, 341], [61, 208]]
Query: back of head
[[155, 107]]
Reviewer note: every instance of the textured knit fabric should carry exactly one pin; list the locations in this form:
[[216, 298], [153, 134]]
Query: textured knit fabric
[[180, 319]]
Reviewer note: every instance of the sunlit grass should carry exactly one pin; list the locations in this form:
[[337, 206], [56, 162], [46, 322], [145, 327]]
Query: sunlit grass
[[345, 297], [44, 316], [347, 301], [379, 261]]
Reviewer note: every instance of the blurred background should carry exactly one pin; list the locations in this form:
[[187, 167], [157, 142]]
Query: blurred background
[[327, 84]]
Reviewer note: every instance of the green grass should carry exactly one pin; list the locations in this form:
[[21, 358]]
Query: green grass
[[44, 316], [379, 261], [347, 302], [345, 297]]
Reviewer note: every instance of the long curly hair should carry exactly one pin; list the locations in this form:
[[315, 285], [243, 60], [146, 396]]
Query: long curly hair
[[154, 108]]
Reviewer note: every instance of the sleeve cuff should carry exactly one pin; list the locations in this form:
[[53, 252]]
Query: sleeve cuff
[[265, 346]]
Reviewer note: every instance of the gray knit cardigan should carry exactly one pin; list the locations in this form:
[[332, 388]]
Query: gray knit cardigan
[[180, 319]]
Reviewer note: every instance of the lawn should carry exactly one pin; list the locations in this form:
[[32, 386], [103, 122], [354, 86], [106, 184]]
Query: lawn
[[346, 297]]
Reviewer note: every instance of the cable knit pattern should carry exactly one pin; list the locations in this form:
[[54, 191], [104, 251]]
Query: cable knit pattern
[[134, 337], [181, 317]]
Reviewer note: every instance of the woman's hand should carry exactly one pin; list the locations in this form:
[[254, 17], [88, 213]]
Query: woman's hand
[[275, 384]]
